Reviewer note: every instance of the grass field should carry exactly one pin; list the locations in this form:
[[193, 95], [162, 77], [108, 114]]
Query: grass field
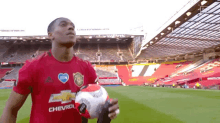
[[140, 104]]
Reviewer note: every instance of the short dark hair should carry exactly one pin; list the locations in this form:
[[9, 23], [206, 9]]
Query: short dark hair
[[50, 28]]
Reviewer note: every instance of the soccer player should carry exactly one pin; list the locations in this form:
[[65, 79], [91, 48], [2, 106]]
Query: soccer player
[[53, 80]]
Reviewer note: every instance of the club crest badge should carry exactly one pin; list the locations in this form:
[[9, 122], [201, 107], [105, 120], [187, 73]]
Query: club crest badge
[[63, 77], [78, 79]]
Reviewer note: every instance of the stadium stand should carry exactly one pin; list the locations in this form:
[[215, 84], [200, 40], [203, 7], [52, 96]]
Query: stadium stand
[[109, 52], [25, 52], [124, 72], [189, 67], [144, 70], [10, 52], [13, 74], [6, 84], [3, 49], [87, 51], [43, 48], [194, 75], [126, 52], [106, 71], [4, 71], [207, 83]]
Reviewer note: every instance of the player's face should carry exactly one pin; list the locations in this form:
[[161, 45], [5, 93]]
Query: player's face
[[64, 32]]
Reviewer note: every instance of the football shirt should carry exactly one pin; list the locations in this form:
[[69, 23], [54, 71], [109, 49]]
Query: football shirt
[[53, 85]]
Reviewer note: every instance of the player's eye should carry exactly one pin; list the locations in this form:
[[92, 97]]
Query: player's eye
[[63, 24]]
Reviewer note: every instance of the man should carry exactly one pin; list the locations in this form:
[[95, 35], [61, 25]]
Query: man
[[198, 85], [52, 81], [174, 85]]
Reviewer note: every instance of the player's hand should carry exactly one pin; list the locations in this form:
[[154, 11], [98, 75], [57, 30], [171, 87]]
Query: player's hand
[[112, 110]]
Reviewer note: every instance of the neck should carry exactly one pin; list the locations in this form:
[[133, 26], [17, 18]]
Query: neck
[[61, 53]]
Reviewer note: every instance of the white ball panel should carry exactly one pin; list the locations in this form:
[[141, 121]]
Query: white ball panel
[[94, 101]]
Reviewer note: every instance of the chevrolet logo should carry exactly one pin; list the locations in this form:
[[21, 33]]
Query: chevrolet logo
[[65, 96]]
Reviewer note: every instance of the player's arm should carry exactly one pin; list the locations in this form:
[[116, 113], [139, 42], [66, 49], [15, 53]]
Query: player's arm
[[19, 94], [14, 103]]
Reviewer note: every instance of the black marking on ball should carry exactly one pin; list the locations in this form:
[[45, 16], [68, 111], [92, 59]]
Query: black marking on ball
[[86, 102], [82, 108]]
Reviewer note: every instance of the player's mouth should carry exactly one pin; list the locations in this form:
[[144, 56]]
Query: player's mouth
[[70, 33]]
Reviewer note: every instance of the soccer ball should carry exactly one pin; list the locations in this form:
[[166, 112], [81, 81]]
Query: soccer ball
[[90, 100]]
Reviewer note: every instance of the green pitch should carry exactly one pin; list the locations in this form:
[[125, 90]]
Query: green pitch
[[151, 105]]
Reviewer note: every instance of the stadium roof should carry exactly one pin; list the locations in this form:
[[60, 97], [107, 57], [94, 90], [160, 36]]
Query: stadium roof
[[198, 28], [80, 31], [79, 37]]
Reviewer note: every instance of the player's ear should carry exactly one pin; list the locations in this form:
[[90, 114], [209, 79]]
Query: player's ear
[[50, 35]]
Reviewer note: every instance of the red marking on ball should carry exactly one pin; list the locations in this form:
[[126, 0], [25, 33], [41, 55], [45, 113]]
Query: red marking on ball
[[91, 88]]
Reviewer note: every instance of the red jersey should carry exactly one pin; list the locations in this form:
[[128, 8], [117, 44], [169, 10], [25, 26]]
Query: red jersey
[[53, 85]]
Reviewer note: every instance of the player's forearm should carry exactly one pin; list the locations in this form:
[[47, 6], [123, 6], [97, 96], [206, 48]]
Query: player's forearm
[[8, 116]]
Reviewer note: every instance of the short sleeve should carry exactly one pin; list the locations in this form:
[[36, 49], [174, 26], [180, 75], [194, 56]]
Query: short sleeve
[[92, 77], [24, 79]]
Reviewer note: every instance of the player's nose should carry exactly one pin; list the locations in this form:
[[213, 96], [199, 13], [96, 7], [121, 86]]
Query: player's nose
[[70, 27]]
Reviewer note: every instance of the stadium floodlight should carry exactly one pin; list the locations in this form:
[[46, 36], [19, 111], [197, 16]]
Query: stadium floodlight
[[151, 42], [169, 28], [188, 13], [90, 37], [203, 2], [20, 38], [43, 38], [156, 38], [177, 22], [162, 33]]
